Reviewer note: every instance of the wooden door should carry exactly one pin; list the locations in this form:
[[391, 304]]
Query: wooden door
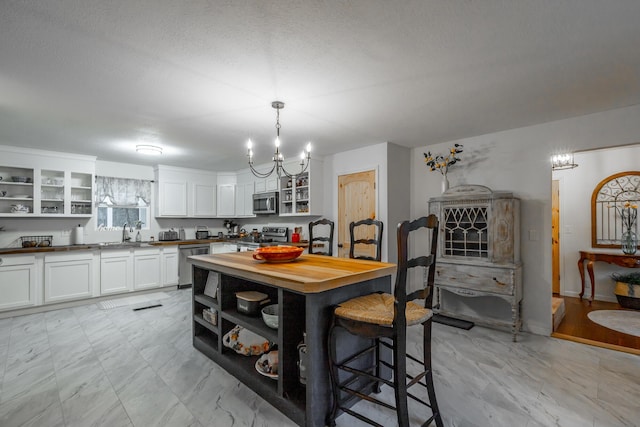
[[356, 201], [555, 236]]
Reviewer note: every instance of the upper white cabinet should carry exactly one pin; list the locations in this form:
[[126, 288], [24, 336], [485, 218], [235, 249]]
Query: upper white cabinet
[[226, 200], [185, 193], [302, 195], [263, 185], [31, 187]]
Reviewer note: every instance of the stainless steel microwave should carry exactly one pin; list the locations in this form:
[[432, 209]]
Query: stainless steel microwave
[[265, 203]]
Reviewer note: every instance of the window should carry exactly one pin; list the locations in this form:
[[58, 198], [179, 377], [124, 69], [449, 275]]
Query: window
[[122, 201]]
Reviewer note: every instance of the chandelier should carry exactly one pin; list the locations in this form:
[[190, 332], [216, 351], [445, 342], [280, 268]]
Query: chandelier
[[278, 158]]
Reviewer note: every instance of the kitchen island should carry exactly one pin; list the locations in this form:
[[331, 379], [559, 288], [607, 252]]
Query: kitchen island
[[305, 290]]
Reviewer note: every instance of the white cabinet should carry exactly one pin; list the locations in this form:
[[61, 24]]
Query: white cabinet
[[116, 271], [267, 184], [203, 202], [226, 200], [146, 268], [222, 247], [302, 195], [169, 262], [244, 200], [185, 193], [69, 276], [172, 198], [17, 281], [45, 192]]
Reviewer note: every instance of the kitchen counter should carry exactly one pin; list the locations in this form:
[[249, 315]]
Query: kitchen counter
[[305, 290], [108, 245]]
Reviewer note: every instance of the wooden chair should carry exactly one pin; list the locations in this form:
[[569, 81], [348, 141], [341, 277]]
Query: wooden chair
[[313, 238], [384, 318], [364, 224]]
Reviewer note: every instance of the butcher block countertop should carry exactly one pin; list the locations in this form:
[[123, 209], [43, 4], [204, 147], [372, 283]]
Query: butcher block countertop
[[305, 274]]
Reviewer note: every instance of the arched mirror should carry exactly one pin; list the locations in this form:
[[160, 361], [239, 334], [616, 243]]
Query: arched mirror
[[612, 208]]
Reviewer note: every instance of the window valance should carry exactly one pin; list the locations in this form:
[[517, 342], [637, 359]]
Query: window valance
[[122, 191]]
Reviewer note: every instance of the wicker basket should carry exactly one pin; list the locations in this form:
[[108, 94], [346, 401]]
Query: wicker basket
[[36, 241]]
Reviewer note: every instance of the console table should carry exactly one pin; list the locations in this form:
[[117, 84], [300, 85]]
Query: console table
[[623, 260]]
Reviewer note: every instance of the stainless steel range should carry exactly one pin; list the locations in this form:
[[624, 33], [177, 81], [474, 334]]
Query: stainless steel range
[[270, 236]]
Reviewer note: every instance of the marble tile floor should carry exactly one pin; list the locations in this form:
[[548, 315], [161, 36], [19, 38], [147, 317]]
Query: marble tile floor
[[88, 367]]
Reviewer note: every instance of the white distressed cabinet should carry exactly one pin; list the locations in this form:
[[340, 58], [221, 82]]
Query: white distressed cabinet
[[17, 281], [478, 254]]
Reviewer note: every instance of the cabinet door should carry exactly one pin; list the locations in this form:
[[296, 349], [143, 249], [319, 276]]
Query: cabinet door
[[17, 282], [116, 273], [239, 200], [272, 183], [68, 278], [204, 200], [172, 198], [169, 258], [226, 200], [261, 186], [146, 271]]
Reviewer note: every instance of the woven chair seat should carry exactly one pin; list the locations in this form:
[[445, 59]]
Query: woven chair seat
[[378, 309]]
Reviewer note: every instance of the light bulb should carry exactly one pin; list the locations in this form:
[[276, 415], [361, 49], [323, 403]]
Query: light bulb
[[308, 147], [249, 144], [277, 142], [302, 155]]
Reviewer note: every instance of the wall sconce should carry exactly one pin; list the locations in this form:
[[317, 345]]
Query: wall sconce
[[562, 161], [152, 150]]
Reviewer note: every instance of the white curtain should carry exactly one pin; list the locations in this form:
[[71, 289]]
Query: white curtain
[[123, 192]]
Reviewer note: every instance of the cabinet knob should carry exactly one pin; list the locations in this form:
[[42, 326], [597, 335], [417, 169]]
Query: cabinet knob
[[340, 245]]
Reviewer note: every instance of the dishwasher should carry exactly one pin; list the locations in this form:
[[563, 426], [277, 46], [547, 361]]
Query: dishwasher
[[184, 268]]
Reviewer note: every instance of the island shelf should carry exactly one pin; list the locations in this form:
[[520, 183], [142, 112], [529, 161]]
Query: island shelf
[[305, 291]]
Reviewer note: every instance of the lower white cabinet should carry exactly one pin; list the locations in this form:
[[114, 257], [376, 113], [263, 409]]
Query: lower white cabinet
[[146, 268], [116, 271], [169, 265], [69, 276], [17, 281], [221, 248]]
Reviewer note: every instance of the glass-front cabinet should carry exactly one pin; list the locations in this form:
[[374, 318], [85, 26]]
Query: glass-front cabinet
[[33, 192], [16, 191], [478, 256], [302, 193]]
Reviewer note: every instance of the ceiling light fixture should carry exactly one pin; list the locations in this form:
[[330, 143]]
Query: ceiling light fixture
[[562, 161], [152, 150], [278, 158]]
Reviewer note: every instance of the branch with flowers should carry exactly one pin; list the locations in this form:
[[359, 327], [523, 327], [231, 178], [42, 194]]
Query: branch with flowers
[[442, 163], [628, 214]]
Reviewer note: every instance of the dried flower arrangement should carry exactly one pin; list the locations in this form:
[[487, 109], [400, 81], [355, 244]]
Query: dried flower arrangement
[[442, 163]]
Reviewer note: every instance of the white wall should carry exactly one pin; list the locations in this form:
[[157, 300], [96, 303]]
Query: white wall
[[518, 161], [576, 189]]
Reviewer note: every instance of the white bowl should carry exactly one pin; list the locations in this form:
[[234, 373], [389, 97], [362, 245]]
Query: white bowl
[[270, 315]]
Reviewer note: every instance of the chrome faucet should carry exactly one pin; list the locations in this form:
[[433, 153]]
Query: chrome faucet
[[125, 233]]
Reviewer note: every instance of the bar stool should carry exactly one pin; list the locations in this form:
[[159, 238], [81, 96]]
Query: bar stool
[[360, 228], [384, 319], [323, 238]]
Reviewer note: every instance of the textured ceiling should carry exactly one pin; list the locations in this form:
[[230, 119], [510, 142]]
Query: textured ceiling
[[96, 77]]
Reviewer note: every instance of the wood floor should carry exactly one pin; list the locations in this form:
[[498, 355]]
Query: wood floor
[[576, 326]]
